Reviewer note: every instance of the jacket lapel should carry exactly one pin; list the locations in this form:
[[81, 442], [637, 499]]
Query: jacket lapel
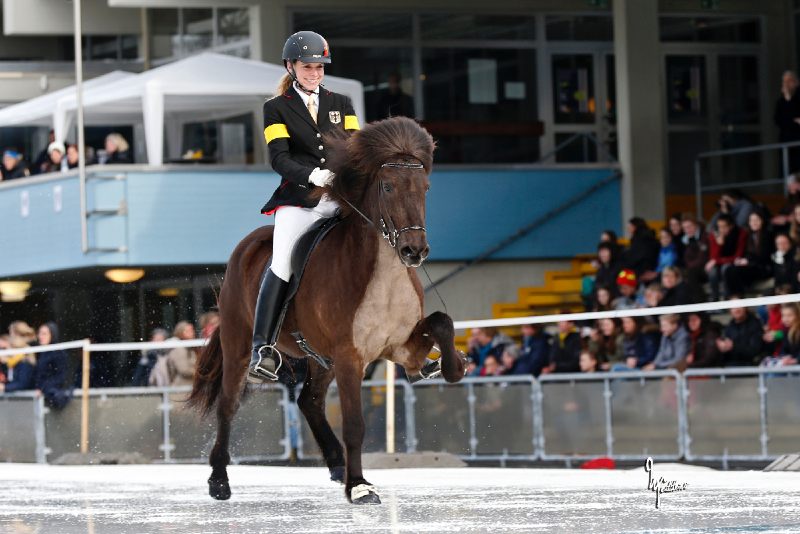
[[324, 107], [296, 105]]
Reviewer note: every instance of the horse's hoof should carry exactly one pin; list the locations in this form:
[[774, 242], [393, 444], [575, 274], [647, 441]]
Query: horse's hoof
[[364, 494], [219, 489], [337, 474]]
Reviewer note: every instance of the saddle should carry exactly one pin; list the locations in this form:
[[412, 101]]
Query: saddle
[[300, 256]]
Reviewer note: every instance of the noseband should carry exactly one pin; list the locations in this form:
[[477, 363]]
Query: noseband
[[387, 228]]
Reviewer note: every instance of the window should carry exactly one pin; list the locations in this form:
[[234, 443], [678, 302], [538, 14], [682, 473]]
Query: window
[[350, 26], [686, 90], [579, 28], [710, 29], [198, 30], [234, 25], [447, 26]]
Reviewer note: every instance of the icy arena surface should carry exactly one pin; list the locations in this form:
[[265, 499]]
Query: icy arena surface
[[173, 498]]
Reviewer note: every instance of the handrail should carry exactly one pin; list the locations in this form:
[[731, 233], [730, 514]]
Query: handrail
[[698, 173], [527, 229]]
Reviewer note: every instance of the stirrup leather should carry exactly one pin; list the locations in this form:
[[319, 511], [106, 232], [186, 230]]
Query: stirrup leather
[[258, 370]]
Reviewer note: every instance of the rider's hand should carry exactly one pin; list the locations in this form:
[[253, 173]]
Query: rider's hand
[[321, 177]]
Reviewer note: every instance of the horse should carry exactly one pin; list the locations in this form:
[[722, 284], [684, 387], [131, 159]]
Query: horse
[[359, 299]]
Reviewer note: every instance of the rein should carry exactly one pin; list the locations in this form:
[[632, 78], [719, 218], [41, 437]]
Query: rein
[[388, 230]]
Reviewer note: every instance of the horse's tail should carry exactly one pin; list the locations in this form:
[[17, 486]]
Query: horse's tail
[[207, 376]]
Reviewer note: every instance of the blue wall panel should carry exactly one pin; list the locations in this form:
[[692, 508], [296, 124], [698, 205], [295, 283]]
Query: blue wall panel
[[198, 216]]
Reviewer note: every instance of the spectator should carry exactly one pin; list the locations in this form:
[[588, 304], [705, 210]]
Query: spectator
[[676, 230], [393, 102], [674, 345], [602, 299], [608, 266], [149, 358], [566, 349], [736, 204], [773, 329], [491, 367], [486, 341], [789, 349], [638, 348], [794, 225], [626, 287], [642, 254], [781, 222], [787, 116], [676, 292], [181, 361], [20, 368], [605, 342], [755, 265], [42, 157], [726, 245], [695, 254], [13, 166], [535, 351], [784, 264], [209, 322], [55, 161], [610, 237], [117, 150], [51, 369], [509, 360], [668, 254], [741, 343], [703, 352], [588, 362], [653, 295]]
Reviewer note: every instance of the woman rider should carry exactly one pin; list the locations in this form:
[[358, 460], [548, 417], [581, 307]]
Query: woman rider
[[294, 122]]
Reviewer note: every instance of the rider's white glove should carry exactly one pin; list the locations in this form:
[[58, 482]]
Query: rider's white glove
[[321, 177]]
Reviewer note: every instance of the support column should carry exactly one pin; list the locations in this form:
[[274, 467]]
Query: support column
[[640, 108], [269, 28]]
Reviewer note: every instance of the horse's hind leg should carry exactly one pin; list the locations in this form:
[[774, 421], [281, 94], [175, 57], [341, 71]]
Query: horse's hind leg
[[348, 373], [234, 368], [312, 404]]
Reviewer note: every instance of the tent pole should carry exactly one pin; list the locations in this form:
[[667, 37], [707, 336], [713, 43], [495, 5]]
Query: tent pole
[[76, 4]]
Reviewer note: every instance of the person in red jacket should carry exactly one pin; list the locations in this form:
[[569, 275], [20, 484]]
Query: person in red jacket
[[725, 246]]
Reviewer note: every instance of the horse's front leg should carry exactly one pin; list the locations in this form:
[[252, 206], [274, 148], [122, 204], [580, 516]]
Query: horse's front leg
[[348, 379], [437, 328]]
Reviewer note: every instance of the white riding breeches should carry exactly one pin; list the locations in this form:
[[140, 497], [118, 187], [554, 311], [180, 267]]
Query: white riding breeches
[[292, 222]]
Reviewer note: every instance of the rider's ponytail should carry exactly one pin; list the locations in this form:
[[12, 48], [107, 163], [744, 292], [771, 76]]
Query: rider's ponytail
[[284, 84]]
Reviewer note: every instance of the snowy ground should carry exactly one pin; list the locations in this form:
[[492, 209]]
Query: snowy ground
[[155, 498]]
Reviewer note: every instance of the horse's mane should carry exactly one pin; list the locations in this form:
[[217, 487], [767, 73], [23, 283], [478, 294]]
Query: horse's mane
[[357, 159]]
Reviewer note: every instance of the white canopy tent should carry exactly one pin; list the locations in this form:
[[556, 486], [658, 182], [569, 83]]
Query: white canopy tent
[[38, 111], [200, 88]]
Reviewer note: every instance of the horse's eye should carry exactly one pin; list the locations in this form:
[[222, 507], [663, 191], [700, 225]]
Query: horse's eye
[[387, 188]]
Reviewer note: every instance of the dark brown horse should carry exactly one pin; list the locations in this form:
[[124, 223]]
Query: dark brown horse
[[359, 300]]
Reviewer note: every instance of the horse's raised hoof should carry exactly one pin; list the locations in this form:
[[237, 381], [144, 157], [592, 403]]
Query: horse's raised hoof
[[364, 494], [219, 489], [337, 474]]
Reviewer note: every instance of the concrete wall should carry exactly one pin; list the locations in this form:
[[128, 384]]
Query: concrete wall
[[48, 17]]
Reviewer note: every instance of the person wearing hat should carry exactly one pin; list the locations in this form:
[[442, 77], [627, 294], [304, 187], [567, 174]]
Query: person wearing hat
[[295, 121], [626, 286], [55, 158], [13, 166]]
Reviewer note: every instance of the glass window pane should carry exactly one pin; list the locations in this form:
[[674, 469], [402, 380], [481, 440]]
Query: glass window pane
[[710, 29], [738, 90], [103, 47], [579, 28], [683, 148], [573, 89], [378, 68], [741, 167], [686, 89], [611, 91], [165, 38], [448, 26], [576, 149], [480, 104], [352, 25], [198, 29], [234, 24]]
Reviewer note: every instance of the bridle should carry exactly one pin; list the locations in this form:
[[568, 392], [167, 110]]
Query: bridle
[[387, 227]]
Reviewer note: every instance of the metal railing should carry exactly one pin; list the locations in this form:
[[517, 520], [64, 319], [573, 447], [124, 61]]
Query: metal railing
[[748, 414], [698, 172]]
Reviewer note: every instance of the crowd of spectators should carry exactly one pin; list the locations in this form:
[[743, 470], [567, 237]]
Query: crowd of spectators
[[61, 157], [49, 372]]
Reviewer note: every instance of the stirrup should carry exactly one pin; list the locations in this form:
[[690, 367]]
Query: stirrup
[[261, 372]]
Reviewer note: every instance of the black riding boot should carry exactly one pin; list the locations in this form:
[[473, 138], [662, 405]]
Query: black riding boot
[[265, 360]]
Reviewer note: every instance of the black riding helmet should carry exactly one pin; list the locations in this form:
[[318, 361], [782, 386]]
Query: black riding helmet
[[306, 46]]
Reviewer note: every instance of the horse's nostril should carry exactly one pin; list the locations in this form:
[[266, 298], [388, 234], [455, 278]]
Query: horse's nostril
[[425, 252], [407, 252]]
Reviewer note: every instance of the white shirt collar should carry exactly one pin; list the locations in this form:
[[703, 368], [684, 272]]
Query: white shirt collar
[[305, 96]]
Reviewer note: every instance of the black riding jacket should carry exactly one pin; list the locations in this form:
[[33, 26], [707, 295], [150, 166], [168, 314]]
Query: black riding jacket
[[295, 142]]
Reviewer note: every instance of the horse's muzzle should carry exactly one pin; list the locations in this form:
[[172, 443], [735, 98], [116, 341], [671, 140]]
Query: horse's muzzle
[[413, 256]]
